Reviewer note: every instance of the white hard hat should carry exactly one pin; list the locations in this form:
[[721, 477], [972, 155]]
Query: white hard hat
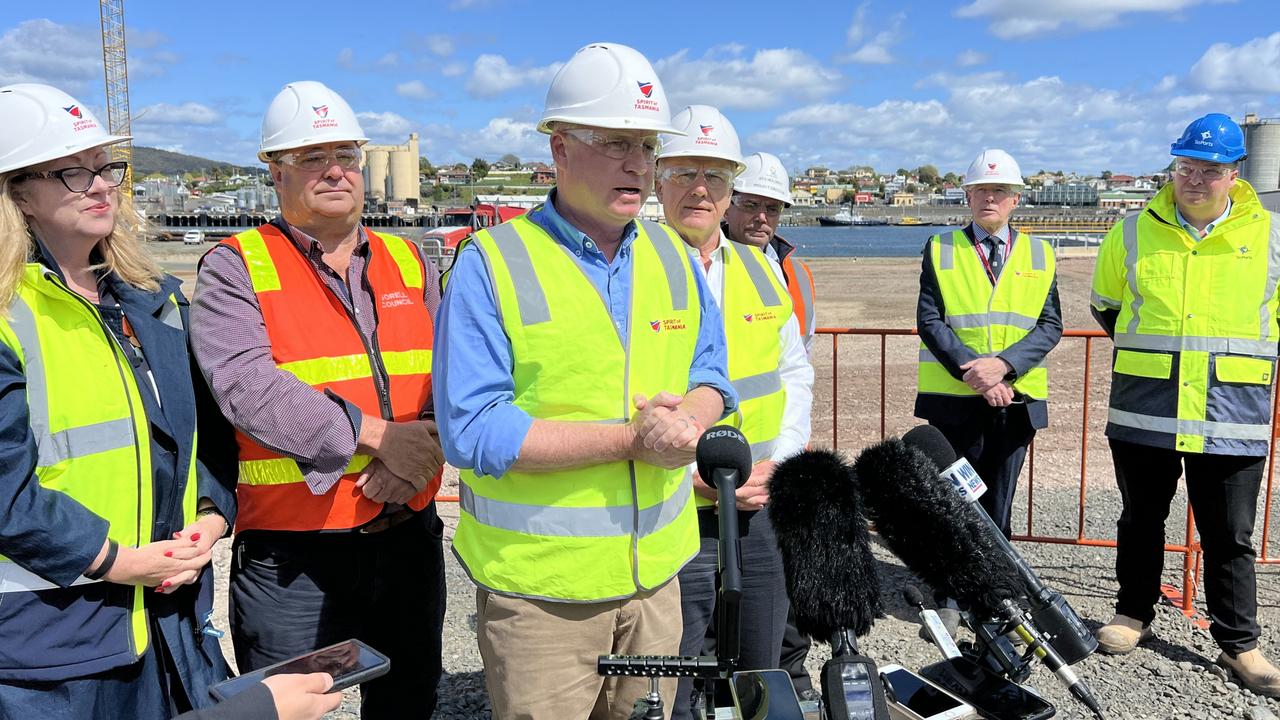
[[42, 123], [764, 176], [606, 85], [993, 167], [307, 113], [704, 132]]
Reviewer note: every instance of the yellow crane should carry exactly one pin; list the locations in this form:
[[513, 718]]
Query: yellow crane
[[117, 76]]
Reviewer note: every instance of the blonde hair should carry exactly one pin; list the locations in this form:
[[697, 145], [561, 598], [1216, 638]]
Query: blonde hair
[[122, 252]]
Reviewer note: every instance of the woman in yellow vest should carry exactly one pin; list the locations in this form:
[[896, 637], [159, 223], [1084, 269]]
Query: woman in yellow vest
[[109, 520]]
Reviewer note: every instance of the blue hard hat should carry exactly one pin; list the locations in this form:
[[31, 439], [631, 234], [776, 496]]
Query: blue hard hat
[[1214, 137]]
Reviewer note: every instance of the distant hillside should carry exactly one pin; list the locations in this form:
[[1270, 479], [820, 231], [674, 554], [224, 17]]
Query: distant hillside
[[153, 160]]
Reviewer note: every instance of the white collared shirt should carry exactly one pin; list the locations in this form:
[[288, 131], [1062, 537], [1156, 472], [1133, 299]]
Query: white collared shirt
[[1191, 229]]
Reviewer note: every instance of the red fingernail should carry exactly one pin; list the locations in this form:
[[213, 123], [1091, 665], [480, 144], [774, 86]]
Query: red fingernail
[[158, 589], [195, 537], [165, 584], [168, 553]]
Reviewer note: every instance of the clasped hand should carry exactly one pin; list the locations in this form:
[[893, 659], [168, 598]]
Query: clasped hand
[[665, 435]]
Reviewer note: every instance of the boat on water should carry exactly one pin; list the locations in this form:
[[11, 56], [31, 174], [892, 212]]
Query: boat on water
[[846, 217], [910, 220]]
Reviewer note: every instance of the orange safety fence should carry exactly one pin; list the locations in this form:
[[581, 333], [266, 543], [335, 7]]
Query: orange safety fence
[[1183, 597]]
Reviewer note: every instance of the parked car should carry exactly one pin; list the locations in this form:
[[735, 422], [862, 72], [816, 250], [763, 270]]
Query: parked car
[[193, 237]]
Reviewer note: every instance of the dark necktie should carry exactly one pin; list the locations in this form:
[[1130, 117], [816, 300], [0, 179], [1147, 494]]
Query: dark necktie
[[993, 256]]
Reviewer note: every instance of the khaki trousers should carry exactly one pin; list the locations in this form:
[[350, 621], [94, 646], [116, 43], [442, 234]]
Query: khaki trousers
[[540, 657]]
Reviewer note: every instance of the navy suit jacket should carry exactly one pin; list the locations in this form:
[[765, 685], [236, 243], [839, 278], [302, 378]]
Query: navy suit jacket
[[952, 353]]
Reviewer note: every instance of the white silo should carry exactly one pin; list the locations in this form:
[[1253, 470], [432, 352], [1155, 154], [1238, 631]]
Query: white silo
[[1262, 141]]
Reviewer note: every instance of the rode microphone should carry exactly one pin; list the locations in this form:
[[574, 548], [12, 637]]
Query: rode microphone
[[937, 535], [724, 462], [1050, 611], [832, 582]]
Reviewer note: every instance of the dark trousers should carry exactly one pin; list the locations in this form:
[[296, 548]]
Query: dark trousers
[[995, 442], [764, 600], [132, 691], [795, 649], [1223, 492], [295, 592]]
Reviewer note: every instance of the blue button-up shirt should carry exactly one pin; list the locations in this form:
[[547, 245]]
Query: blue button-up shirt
[[480, 427]]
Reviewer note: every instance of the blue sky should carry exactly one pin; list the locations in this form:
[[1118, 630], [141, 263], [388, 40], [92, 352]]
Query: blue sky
[[1080, 85]]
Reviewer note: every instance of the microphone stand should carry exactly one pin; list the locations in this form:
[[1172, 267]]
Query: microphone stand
[[729, 575]]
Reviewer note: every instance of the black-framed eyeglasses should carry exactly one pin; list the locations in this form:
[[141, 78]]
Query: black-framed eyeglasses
[[754, 207], [80, 179]]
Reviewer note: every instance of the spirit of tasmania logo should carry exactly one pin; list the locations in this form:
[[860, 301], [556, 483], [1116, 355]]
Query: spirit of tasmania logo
[[667, 324]]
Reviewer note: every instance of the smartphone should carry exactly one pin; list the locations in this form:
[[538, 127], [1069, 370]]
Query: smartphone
[[994, 696], [350, 662], [765, 695], [915, 698]]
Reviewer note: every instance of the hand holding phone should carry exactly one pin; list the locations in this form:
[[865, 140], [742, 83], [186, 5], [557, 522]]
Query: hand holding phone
[[350, 662], [303, 697]]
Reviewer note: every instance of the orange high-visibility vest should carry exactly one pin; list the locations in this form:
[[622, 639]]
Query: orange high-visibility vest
[[314, 338], [800, 287]]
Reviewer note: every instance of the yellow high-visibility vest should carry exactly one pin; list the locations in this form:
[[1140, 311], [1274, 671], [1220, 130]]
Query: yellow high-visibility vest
[[604, 531], [92, 435], [754, 306], [1196, 335], [986, 318]]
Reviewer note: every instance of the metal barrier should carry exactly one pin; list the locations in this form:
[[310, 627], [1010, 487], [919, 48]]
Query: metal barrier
[[1184, 597]]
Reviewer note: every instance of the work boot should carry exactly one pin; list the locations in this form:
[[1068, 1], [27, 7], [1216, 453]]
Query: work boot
[[1254, 671], [1122, 635]]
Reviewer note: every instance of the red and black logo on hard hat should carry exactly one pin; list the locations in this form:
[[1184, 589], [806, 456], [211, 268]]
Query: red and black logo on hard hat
[[74, 111], [320, 110], [991, 166], [706, 129], [646, 88]]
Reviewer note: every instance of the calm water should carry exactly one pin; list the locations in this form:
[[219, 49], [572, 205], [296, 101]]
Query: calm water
[[860, 241]]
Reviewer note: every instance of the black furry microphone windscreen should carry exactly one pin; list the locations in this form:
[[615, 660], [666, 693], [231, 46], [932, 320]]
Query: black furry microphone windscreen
[[822, 533]]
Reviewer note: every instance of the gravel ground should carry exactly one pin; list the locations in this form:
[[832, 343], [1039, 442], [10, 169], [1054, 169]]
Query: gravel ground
[[1170, 677]]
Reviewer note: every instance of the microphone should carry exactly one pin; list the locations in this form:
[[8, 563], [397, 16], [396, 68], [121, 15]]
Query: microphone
[[935, 533], [724, 462], [831, 575], [932, 623], [1050, 611]]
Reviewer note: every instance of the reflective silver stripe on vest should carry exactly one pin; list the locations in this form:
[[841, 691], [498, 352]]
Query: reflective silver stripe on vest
[[759, 275], [981, 320], [672, 261], [1193, 343], [1273, 278], [611, 521], [1174, 426], [1103, 302], [1130, 236], [529, 296], [762, 451], [757, 386], [75, 442], [926, 355], [15, 578], [1037, 254], [947, 251], [170, 314]]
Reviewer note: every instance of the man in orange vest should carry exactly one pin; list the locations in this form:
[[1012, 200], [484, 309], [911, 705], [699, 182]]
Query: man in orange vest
[[760, 194], [315, 334]]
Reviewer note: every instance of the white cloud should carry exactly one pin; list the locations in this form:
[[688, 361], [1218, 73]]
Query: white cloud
[[414, 90], [438, 44], [1185, 104], [1167, 83], [453, 69], [858, 26], [492, 75], [449, 143], [731, 81], [879, 50], [37, 51], [969, 58], [189, 113], [1253, 67], [1021, 19], [346, 58], [389, 60], [385, 127]]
